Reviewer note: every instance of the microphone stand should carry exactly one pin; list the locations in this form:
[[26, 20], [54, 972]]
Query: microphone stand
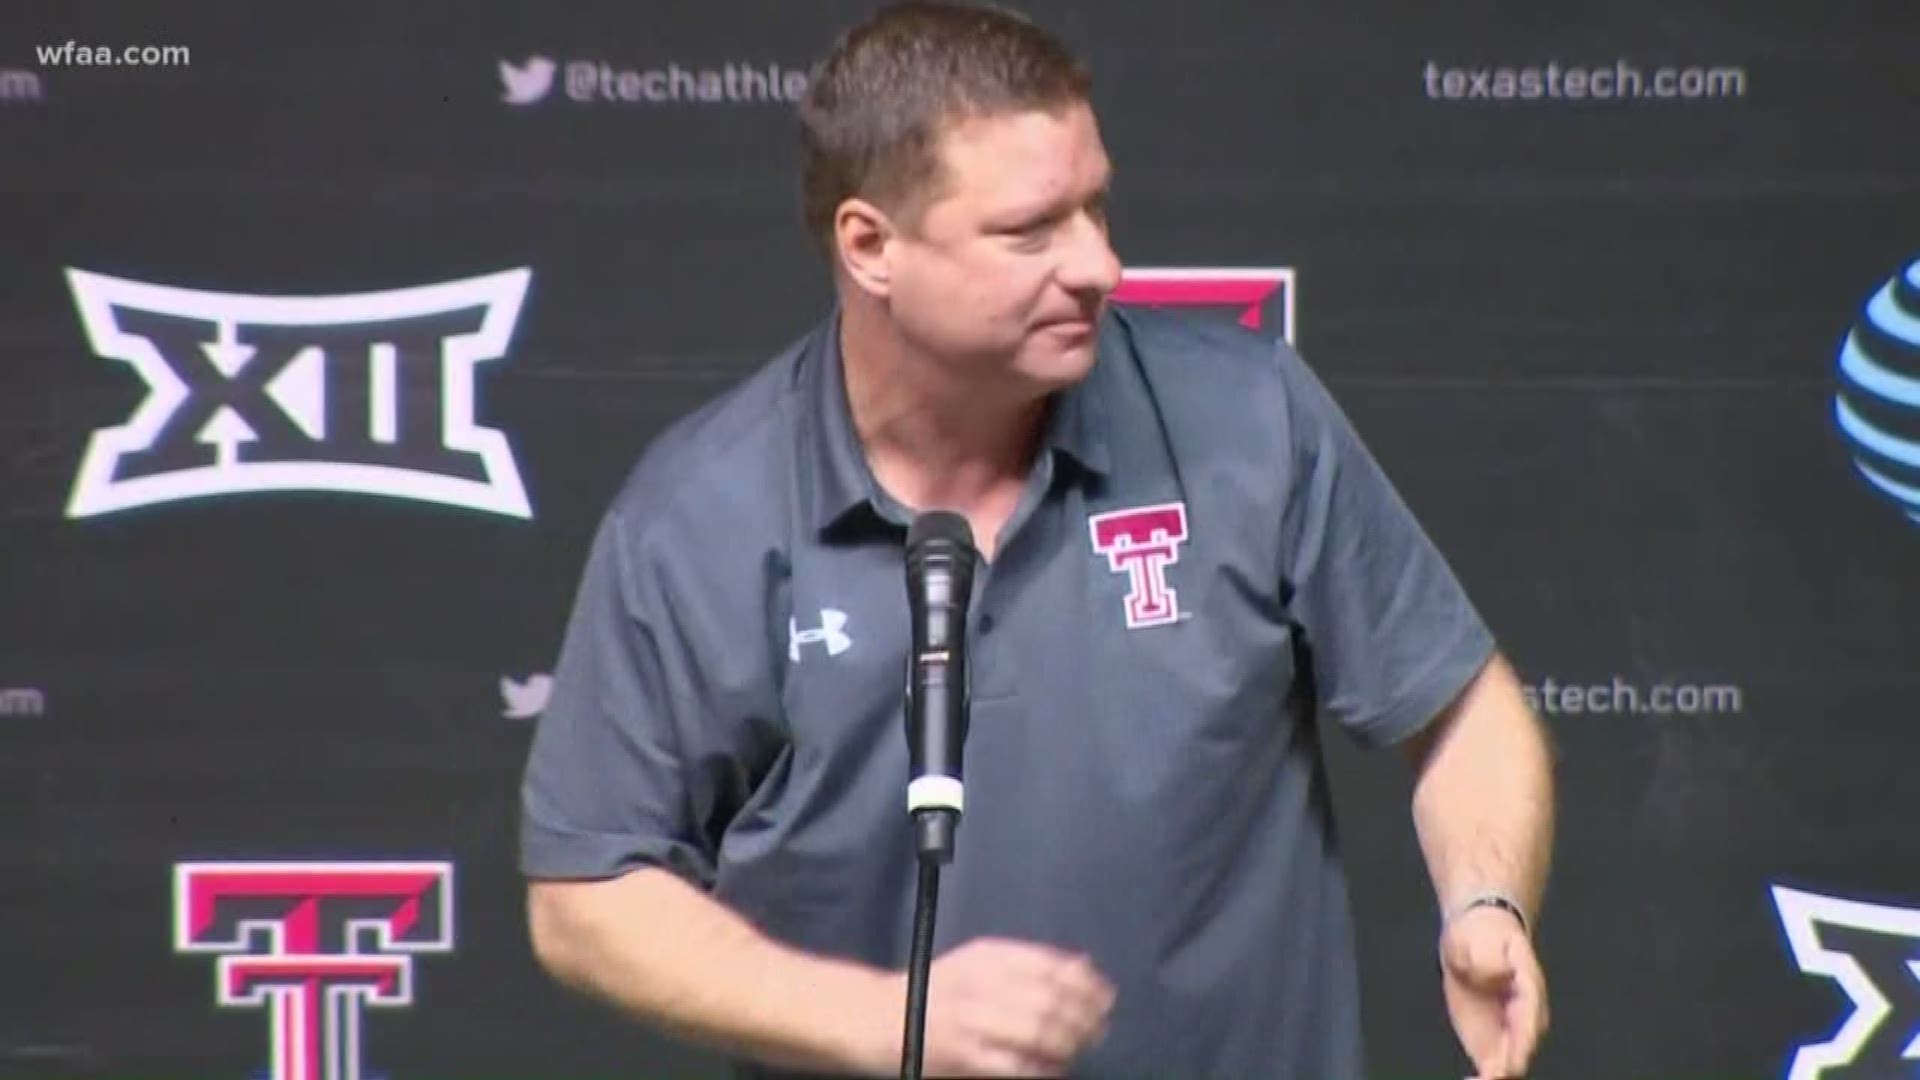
[[920, 964], [934, 827]]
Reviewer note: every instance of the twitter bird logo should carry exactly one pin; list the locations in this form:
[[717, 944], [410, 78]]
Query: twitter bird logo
[[526, 83], [525, 700]]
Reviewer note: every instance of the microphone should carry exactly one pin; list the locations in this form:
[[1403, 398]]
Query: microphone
[[940, 561]]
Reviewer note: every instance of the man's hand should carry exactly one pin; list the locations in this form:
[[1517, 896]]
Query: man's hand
[[1495, 990], [997, 1007]]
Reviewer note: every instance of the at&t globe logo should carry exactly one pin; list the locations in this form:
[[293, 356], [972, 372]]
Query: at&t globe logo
[[1878, 404]]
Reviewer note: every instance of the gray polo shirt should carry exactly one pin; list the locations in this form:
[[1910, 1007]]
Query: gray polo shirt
[[1207, 568]]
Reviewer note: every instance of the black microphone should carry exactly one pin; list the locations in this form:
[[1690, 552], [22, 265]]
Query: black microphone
[[940, 559]]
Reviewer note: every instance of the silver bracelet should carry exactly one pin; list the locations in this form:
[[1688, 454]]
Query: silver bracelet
[[1497, 899]]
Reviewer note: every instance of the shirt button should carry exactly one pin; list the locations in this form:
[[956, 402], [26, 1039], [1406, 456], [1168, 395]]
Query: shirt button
[[986, 624]]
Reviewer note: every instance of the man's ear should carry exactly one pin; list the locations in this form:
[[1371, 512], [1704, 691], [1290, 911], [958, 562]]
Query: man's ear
[[862, 240]]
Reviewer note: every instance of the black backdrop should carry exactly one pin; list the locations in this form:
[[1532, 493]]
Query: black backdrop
[[1593, 326]]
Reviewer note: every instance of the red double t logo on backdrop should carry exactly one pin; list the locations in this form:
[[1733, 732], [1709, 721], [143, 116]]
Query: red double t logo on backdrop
[[1258, 299], [314, 944]]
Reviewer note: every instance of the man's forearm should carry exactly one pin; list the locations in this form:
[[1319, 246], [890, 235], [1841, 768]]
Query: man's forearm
[[1483, 798], [669, 954]]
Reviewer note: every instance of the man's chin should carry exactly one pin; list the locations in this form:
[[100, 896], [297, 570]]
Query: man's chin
[[1055, 368]]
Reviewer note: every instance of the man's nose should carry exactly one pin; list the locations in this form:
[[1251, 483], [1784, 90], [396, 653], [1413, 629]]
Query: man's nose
[[1089, 265]]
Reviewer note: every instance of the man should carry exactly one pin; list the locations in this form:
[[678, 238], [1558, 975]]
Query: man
[[1147, 881]]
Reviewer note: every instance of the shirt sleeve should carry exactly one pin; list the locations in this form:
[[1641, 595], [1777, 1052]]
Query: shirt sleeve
[[614, 779], [1391, 634]]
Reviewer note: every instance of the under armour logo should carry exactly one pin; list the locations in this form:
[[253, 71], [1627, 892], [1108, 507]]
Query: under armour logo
[[1142, 542], [1873, 952], [832, 631]]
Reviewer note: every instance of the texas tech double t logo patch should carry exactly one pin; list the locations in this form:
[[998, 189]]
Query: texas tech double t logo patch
[[1141, 542]]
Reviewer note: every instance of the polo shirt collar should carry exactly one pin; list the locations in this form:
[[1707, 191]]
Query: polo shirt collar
[[838, 482]]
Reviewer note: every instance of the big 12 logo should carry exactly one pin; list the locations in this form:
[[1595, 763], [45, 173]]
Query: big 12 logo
[[1873, 952], [364, 393]]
